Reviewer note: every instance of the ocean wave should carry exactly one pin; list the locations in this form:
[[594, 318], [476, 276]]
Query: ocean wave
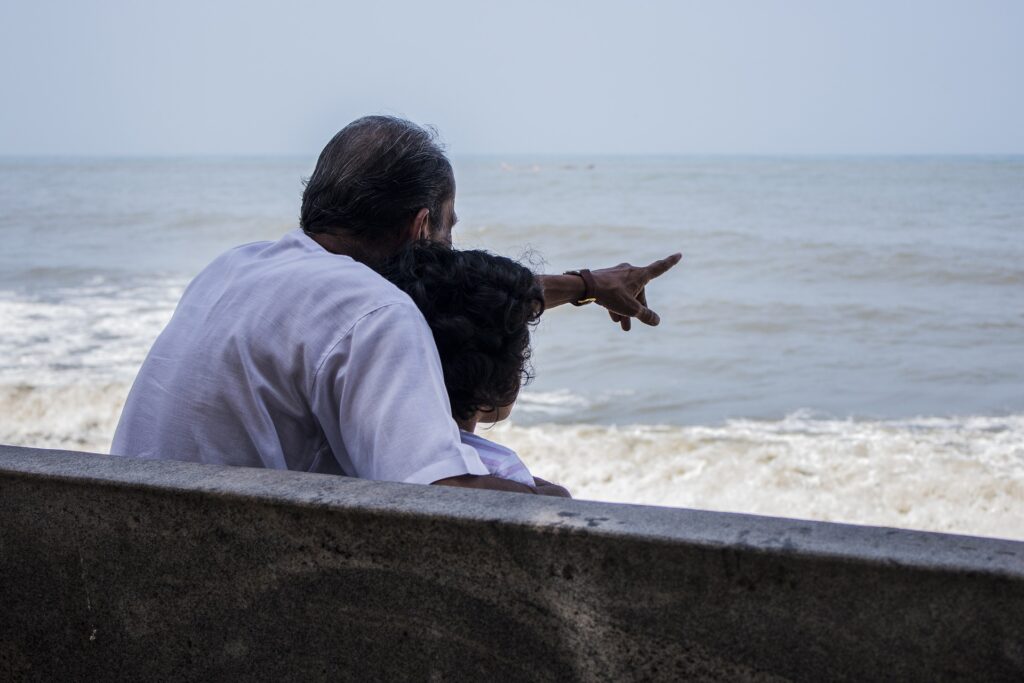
[[951, 474], [959, 475], [99, 329], [551, 402], [79, 416]]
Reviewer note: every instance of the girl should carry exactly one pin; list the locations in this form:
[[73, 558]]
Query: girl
[[480, 308]]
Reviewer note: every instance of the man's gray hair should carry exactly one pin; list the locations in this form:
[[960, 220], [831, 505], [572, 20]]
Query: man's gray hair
[[374, 176]]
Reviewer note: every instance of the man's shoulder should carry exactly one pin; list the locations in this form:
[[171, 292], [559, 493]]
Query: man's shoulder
[[286, 295], [296, 269]]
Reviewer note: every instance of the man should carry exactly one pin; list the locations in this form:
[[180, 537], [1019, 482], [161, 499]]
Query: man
[[296, 355]]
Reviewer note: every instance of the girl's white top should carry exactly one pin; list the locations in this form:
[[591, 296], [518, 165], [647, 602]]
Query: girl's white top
[[500, 461]]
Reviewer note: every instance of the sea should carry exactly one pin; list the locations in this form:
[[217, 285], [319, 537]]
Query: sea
[[843, 339]]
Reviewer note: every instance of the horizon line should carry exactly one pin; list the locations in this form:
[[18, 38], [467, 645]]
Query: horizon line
[[212, 156]]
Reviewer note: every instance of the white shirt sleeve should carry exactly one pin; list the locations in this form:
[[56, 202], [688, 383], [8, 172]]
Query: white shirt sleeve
[[380, 398]]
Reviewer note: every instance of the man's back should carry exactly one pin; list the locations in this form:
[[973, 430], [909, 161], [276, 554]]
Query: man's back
[[283, 355]]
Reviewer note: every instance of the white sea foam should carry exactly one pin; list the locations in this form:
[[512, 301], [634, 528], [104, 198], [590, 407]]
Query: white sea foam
[[963, 475], [100, 331], [76, 416]]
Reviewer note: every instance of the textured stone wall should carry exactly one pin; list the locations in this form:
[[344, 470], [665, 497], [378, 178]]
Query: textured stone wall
[[120, 569]]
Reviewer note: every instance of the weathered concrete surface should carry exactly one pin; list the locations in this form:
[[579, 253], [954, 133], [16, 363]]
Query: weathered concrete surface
[[119, 569]]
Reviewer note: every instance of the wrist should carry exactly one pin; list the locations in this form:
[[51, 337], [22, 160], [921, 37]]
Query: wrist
[[589, 292]]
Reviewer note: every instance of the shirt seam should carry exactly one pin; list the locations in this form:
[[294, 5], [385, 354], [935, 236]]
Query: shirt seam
[[346, 334]]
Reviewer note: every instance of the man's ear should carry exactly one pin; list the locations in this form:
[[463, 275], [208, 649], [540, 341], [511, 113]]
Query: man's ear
[[419, 228]]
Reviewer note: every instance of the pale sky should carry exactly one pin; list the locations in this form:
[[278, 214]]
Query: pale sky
[[262, 77]]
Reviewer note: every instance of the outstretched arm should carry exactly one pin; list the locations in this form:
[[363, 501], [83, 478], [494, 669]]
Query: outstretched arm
[[621, 289]]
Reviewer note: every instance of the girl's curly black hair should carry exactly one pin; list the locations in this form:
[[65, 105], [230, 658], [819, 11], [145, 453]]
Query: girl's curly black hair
[[480, 308]]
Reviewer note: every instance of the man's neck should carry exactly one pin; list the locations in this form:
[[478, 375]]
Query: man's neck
[[467, 425], [347, 246]]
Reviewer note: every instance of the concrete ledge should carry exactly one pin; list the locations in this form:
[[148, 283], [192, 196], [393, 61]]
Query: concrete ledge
[[122, 569]]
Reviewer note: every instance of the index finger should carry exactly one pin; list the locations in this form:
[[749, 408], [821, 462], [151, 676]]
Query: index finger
[[662, 266]]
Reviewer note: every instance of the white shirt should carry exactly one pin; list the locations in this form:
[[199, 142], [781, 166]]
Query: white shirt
[[501, 461], [284, 355]]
